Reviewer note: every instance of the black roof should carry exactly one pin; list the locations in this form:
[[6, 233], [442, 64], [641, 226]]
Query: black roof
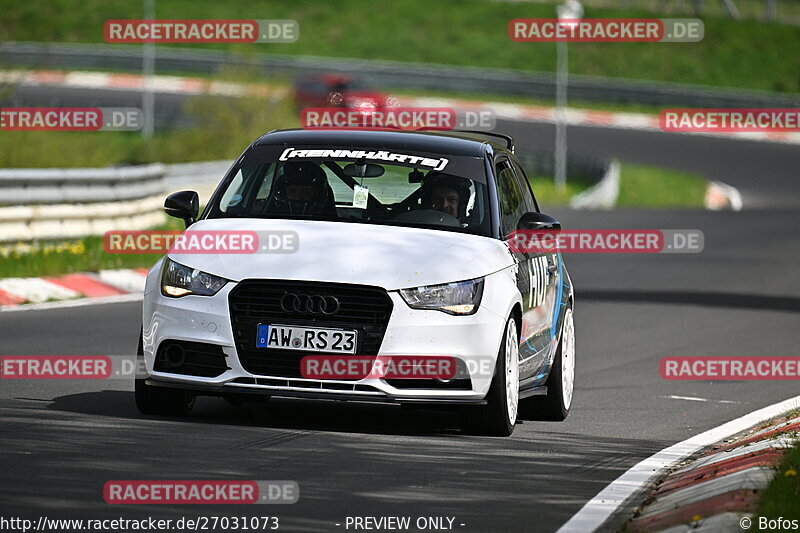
[[455, 143]]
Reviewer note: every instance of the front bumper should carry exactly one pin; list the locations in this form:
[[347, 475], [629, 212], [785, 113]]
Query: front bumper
[[474, 339]]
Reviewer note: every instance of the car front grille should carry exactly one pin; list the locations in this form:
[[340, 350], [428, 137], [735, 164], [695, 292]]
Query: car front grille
[[252, 302]]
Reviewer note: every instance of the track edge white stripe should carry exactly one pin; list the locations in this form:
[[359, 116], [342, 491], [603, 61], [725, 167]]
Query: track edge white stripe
[[620, 491]]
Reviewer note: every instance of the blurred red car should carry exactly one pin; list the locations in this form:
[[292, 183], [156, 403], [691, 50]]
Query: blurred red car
[[331, 90]]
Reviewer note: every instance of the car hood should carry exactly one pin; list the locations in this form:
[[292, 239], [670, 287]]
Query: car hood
[[345, 252]]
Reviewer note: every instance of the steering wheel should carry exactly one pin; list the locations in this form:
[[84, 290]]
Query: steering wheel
[[428, 216], [375, 203]]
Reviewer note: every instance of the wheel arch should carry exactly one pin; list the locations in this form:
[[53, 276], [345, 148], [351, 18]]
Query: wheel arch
[[516, 314]]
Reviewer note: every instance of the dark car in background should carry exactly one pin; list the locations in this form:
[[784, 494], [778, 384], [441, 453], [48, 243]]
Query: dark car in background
[[334, 90]]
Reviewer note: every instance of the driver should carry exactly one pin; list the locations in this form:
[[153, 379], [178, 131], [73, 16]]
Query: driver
[[302, 189], [446, 193]]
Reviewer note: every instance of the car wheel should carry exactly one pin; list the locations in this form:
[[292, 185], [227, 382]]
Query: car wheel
[[499, 415], [157, 400], [561, 382]]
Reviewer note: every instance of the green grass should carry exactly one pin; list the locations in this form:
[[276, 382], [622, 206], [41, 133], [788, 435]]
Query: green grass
[[746, 54], [640, 186], [548, 195], [79, 255], [646, 186], [224, 128], [39, 149], [781, 497]]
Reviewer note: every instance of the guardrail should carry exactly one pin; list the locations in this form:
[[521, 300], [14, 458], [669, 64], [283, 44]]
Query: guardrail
[[603, 194], [51, 204], [601, 172], [56, 185], [541, 163], [392, 74]]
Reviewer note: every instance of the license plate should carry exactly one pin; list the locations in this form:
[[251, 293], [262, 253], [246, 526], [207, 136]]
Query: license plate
[[306, 339]]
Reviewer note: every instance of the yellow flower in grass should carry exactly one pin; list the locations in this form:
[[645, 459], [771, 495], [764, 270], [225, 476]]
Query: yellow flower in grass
[[22, 248], [790, 473], [78, 248]]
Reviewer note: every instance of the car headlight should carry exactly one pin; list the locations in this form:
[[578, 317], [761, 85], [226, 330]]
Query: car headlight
[[179, 280], [458, 298]]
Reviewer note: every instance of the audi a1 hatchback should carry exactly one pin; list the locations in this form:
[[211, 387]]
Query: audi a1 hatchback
[[402, 248]]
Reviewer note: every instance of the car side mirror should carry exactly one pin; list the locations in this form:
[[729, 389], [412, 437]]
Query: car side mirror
[[537, 221], [184, 205]]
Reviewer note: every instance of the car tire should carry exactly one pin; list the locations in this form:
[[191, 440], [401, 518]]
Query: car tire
[[498, 417], [561, 382], [152, 400]]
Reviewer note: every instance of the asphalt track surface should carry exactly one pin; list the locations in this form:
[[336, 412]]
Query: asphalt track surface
[[62, 441]]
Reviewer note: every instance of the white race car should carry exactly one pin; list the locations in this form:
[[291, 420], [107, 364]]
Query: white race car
[[401, 248]]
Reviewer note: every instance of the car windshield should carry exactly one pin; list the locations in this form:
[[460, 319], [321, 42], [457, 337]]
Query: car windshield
[[369, 186]]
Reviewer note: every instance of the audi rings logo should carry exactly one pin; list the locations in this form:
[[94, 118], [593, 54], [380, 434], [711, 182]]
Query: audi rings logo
[[314, 304]]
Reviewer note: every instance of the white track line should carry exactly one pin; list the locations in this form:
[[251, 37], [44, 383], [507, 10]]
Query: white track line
[[73, 303], [689, 398], [696, 399], [627, 486]]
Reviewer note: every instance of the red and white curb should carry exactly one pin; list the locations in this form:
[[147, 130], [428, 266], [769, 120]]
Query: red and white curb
[[630, 486], [586, 117], [517, 112], [134, 82], [721, 486], [45, 292]]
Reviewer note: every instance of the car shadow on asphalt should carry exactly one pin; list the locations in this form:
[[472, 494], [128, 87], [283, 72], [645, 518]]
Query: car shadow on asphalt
[[66, 451], [281, 413], [278, 413], [701, 298]]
